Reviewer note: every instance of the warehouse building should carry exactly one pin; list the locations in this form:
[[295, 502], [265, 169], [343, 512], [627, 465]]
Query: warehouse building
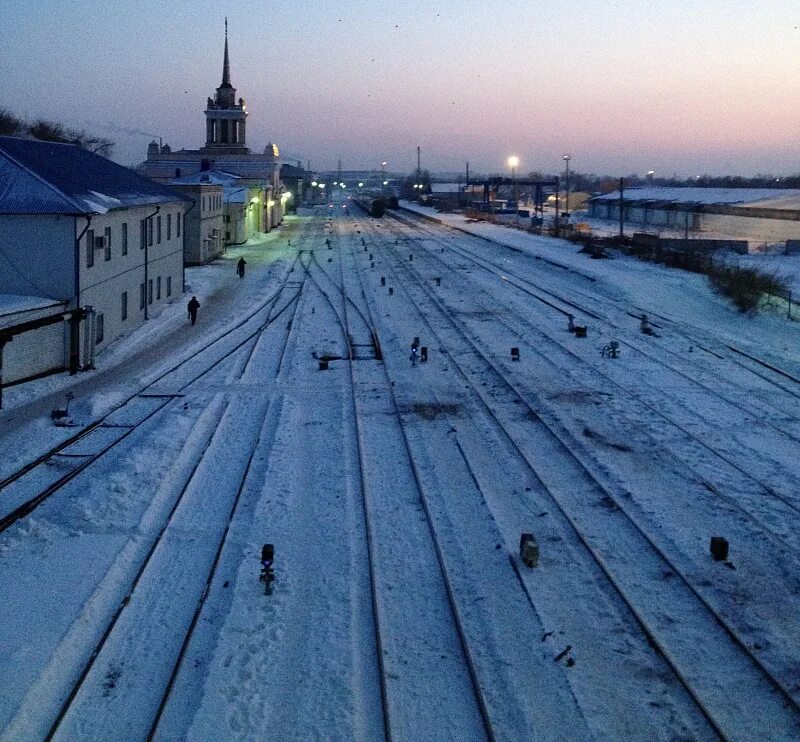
[[760, 216]]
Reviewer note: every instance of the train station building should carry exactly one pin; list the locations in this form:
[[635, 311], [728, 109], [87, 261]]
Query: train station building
[[226, 150]]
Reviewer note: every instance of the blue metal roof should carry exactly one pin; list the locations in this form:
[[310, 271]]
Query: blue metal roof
[[52, 178]]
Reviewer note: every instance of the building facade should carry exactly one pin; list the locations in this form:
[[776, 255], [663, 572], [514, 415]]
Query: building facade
[[86, 233], [204, 222], [247, 209], [757, 215], [226, 150]]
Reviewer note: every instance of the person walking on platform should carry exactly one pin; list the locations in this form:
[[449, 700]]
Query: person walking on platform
[[192, 308], [240, 267]]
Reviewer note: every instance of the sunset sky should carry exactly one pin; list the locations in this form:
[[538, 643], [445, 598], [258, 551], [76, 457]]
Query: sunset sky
[[709, 86]]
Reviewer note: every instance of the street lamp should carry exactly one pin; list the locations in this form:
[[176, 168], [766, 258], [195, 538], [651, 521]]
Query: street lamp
[[383, 172], [513, 163], [650, 174], [566, 197]]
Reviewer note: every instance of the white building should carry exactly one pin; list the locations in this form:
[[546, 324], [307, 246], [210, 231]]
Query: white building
[[225, 150], [204, 238], [247, 209], [81, 231]]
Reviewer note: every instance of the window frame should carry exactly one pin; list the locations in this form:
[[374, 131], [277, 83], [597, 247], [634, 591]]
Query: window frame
[[89, 248]]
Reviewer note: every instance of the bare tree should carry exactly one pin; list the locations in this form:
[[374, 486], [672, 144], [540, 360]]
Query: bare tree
[[10, 124], [50, 131]]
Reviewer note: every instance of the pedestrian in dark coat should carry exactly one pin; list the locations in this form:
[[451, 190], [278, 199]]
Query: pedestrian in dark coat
[[192, 307], [240, 267]]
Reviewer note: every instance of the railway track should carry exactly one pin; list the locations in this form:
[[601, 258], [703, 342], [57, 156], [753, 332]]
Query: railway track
[[680, 590], [692, 336], [77, 713], [396, 722], [765, 488], [658, 400], [16, 498]]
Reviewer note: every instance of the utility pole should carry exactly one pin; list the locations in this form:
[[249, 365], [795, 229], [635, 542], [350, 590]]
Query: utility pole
[[621, 207], [419, 169], [558, 206]]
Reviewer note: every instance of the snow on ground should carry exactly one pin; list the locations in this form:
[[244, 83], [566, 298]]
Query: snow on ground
[[655, 289], [131, 602]]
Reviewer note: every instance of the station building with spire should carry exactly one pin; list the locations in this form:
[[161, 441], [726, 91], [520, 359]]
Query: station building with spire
[[224, 154]]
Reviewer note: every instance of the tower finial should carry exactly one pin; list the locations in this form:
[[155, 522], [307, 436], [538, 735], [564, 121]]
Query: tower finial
[[226, 68]]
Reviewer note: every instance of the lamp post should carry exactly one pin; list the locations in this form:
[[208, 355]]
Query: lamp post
[[513, 163], [566, 188]]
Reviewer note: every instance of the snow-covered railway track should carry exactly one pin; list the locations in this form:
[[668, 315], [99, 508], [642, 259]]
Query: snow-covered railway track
[[705, 429], [140, 652], [85, 660], [418, 649], [701, 447], [33, 484], [601, 508], [519, 692], [597, 307], [692, 337]]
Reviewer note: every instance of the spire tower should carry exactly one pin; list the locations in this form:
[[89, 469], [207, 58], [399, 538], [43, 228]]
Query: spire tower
[[226, 66], [225, 118]]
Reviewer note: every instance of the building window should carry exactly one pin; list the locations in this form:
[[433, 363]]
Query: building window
[[158, 288], [178, 224], [141, 296], [124, 238], [90, 248], [99, 329], [143, 234], [107, 244], [158, 229], [123, 313], [150, 231], [169, 226], [150, 291], [169, 285]]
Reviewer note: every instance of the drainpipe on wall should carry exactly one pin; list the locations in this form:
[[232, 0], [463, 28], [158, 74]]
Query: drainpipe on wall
[[146, 258], [89, 338], [74, 327], [183, 248]]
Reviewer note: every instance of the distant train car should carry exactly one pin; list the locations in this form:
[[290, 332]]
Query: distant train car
[[373, 206]]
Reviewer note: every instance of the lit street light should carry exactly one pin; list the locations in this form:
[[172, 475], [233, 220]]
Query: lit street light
[[566, 202], [513, 163]]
